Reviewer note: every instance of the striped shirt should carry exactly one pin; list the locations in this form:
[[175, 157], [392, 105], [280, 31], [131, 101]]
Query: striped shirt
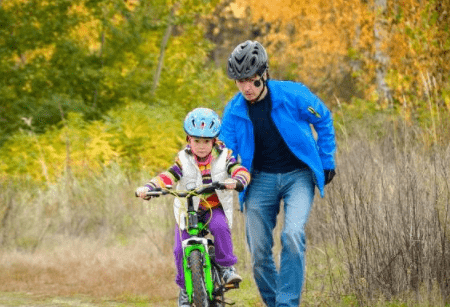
[[175, 172]]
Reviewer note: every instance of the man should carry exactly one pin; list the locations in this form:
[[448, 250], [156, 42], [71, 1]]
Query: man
[[268, 124]]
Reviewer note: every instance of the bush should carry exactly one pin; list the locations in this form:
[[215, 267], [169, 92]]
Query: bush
[[135, 136]]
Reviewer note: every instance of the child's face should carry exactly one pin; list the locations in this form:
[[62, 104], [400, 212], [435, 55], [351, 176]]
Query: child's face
[[201, 147]]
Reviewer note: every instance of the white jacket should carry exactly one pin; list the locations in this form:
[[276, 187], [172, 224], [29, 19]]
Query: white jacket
[[192, 174]]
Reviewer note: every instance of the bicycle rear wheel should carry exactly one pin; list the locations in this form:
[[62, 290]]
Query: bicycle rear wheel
[[200, 296]]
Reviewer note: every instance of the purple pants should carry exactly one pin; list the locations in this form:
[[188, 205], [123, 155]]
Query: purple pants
[[218, 227]]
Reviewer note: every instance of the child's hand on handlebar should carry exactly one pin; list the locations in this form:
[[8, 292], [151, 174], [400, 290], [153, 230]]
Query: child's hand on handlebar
[[230, 183], [141, 192]]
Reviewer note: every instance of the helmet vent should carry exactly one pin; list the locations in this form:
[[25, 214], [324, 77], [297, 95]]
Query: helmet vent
[[240, 61], [246, 60]]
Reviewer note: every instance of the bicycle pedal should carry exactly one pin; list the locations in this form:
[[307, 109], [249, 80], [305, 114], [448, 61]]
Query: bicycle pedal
[[232, 286]]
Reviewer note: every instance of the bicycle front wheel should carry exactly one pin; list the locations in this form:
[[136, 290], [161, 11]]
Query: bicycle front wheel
[[200, 296]]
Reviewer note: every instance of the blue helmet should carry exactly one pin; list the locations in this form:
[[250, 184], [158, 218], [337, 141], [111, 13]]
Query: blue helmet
[[202, 123]]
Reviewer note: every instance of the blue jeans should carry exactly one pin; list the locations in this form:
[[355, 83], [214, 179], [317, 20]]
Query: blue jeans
[[262, 205]]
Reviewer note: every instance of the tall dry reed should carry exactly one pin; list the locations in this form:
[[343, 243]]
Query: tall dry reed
[[387, 214], [101, 207]]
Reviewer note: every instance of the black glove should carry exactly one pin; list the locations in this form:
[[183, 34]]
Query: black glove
[[329, 174]]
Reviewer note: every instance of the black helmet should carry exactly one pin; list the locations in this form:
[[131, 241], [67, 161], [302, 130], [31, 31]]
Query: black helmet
[[246, 60]]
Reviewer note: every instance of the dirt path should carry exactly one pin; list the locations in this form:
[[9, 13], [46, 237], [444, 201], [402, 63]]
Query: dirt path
[[24, 299], [31, 300], [86, 273]]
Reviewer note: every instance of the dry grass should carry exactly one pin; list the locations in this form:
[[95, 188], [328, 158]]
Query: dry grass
[[387, 218], [85, 267]]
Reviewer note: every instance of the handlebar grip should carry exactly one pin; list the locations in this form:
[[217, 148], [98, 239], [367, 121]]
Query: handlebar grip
[[222, 186], [239, 186], [219, 185]]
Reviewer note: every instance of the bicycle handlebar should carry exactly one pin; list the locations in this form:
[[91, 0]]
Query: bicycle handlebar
[[216, 185]]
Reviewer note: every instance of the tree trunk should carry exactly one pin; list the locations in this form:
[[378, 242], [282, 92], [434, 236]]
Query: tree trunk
[[380, 57], [164, 42]]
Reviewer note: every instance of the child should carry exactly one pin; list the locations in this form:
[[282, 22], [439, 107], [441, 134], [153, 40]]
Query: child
[[204, 160]]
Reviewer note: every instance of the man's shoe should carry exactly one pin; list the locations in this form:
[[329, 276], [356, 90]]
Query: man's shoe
[[230, 276], [183, 299]]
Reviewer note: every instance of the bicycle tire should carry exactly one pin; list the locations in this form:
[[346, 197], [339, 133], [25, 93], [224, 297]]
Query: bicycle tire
[[200, 296]]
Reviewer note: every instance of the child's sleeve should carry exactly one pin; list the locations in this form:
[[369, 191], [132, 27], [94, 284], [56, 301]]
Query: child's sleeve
[[236, 170], [169, 177]]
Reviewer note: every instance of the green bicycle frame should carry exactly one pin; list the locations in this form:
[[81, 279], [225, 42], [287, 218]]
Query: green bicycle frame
[[206, 266]]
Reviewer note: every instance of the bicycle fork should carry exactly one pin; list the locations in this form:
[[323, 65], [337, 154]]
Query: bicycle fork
[[200, 244]]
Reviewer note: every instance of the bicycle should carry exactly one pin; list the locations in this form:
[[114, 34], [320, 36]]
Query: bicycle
[[203, 281]]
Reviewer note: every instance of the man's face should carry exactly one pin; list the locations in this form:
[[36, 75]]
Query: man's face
[[248, 88]]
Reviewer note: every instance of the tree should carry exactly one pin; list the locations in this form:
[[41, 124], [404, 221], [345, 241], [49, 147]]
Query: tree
[[28, 31], [357, 47], [89, 56], [313, 41]]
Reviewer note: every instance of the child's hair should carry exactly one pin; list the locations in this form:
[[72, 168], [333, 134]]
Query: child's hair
[[189, 136], [202, 123]]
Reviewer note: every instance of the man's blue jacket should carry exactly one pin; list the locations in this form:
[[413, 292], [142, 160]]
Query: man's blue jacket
[[294, 110]]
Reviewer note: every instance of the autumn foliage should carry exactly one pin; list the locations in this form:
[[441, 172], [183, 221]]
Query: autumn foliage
[[338, 47]]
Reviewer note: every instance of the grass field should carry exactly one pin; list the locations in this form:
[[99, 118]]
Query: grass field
[[380, 237], [87, 273]]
